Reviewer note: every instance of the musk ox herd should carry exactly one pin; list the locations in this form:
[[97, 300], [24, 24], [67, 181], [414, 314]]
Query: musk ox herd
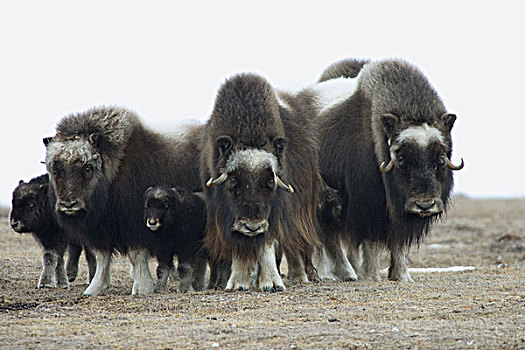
[[326, 176]]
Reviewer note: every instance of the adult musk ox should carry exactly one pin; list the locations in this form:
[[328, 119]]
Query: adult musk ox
[[259, 169], [385, 144], [100, 163], [31, 212], [176, 216]]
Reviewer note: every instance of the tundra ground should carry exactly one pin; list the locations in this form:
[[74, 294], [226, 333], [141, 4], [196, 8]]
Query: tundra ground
[[482, 308]]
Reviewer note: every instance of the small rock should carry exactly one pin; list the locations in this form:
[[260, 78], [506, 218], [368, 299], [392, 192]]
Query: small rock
[[215, 345]]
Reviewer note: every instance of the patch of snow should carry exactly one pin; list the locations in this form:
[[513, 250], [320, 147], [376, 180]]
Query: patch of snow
[[438, 246], [441, 269]]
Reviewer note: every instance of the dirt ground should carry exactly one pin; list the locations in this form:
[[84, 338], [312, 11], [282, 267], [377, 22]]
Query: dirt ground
[[482, 308]]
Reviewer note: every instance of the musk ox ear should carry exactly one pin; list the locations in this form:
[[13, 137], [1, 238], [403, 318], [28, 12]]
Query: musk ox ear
[[100, 142], [224, 144], [278, 144], [20, 182], [179, 192], [447, 120], [47, 140], [96, 140], [389, 122], [148, 190]]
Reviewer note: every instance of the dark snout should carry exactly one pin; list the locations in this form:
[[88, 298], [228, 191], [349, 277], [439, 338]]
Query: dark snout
[[153, 224], [17, 226], [249, 227], [425, 207], [70, 207]]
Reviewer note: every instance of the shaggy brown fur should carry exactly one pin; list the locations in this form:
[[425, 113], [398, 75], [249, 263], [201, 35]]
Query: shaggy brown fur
[[101, 161], [248, 116], [31, 212], [345, 68], [362, 131]]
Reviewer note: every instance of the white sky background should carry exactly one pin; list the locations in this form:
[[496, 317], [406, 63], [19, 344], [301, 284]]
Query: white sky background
[[166, 61]]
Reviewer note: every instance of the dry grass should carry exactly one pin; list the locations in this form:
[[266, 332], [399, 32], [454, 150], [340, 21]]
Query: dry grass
[[483, 308]]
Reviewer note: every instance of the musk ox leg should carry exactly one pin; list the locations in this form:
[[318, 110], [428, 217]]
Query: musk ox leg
[[214, 274], [186, 274], [352, 254], [398, 269], [73, 255], [279, 258], [370, 266], [60, 271], [310, 269], [296, 269], [323, 264], [49, 265], [341, 268], [143, 283], [102, 278], [91, 260], [241, 274], [199, 278], [220, 272], [269, 277], [163, 272]]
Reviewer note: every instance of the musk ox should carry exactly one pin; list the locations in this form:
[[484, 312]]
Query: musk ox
[[100, 163], [385, 144], [176, 217], [32, 213], [259, 171]]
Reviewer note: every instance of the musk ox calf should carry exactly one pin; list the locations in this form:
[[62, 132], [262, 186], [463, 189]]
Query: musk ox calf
[[385, 144], [330, 208], [32, 213], [259, 169], [100, 163], [176, 218]]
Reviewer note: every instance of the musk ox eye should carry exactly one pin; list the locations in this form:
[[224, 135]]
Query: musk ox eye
[[88, 169], [31, 206], [166, 206], [442, 160], [271, 183]]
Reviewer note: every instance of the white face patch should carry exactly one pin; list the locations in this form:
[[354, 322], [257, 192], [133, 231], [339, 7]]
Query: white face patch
[[422, 134], [252, 160], [158, 193], [70, 150]]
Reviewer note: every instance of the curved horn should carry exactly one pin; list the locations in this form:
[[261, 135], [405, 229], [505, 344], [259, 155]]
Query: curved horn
[[385, 169], [455, 167], [282, 185], [218, 181]]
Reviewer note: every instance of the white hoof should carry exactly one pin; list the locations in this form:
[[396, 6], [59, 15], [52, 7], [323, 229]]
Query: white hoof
[[144, 287]]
